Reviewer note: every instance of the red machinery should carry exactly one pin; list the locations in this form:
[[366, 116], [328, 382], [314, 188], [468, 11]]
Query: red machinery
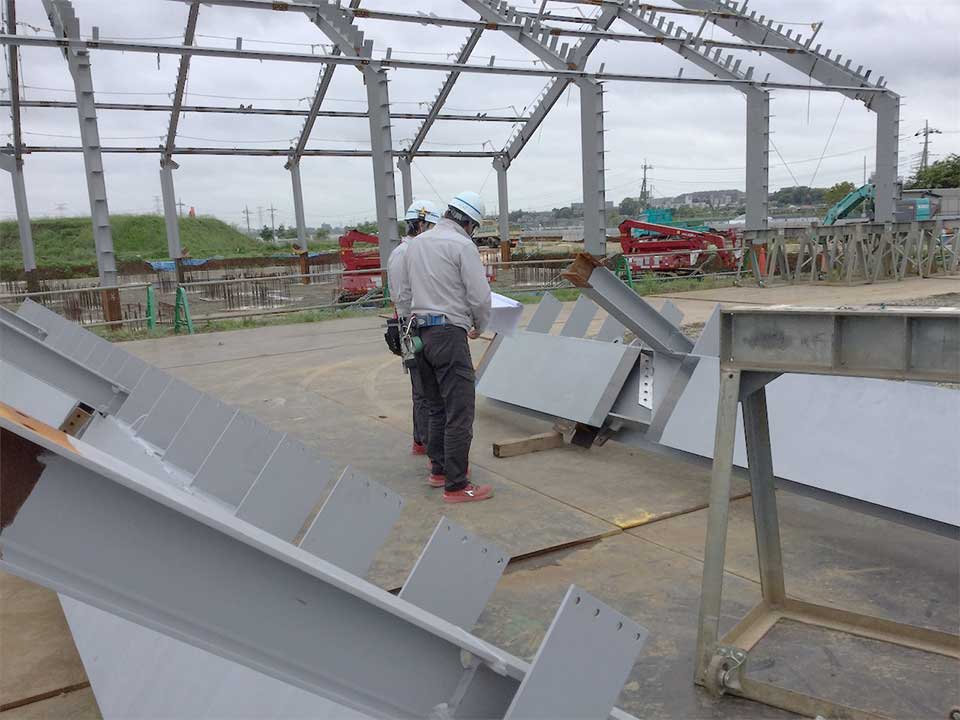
[[664, 248], [362, 268]]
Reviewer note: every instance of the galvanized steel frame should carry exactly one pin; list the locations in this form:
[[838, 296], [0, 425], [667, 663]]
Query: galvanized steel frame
[[756, 346], [531, 31]]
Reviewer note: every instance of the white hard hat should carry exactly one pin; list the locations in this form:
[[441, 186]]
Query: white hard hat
[[417, 210], [470, 204], [432, 215]]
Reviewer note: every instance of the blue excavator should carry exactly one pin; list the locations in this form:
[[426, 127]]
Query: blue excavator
[[849, 203]]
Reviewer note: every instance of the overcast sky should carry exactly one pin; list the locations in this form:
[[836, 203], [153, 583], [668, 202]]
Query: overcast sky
[[691, 135]]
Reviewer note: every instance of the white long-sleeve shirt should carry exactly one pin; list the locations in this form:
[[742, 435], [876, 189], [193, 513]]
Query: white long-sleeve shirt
[[397, 277], [441, 274]]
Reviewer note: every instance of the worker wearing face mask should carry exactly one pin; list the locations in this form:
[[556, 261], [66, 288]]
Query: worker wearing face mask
[[447, 291], [420, 217]]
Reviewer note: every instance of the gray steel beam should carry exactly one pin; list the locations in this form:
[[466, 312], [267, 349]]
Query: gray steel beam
[[294, 168], [167, 165], [592, 160], [14, 165], [66, 28], [337, 24], [462, 56], [13, 70], [323, 86], [254, 152], [27, 352], [169, 196], [829, 71], [636, 314], [250, 110], [406, 181], [188, 37], [147, 551], [387, 63], [758, 159], [646, 21], [504, 199]]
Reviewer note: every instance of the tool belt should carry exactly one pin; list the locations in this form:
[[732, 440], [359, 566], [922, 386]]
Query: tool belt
[[431, 320]]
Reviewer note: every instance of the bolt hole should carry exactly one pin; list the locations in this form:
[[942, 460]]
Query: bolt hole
[[577, 600], [484, 550], [448, 527], [464, 539], [596, 612], [619, 626], [637, 636]]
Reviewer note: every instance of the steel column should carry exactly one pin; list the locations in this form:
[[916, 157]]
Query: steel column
[[592, 158], [170, 217], [406, 181], [381, 146], [14, 166], [887, 108], [65, 25], [756, 428], [504, 199], [294, 167], [758, 159], [716, 544]]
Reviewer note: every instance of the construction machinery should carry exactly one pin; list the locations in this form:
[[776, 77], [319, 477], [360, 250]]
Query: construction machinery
[[654, 247], [362, 276], [850, 202]]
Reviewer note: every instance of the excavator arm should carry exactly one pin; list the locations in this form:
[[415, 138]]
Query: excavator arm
[[849, 203]]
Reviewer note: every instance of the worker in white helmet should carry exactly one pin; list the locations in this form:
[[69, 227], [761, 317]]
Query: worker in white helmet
[[420, 217], [447, 291]]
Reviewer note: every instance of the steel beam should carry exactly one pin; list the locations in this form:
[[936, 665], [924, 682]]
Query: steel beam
[[406, 181], [592, 160], [148, 551], [294, 168], [251, 110], [829, 71], [13, 75], [462, 56], [758, 159], [13, 164], [646, 21], [337, 24], [188, 37], [636, 314], [387, 63], [170, 218], [66, 28], [253, 152], [504, 199]]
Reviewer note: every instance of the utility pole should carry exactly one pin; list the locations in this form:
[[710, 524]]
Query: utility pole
[[644, 188], [180, 206], [259, 216], [273, 225], [926, 132], [156, 205], [60, 208], [246, 211]]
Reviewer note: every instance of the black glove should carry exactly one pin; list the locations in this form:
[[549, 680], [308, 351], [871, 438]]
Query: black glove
[[392, 336]]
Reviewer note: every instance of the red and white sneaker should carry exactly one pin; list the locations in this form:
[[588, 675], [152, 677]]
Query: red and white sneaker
[[418, 448], [468, 493]]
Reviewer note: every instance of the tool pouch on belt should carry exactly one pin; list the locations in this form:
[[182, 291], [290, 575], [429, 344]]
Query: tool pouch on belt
[[392, 336]]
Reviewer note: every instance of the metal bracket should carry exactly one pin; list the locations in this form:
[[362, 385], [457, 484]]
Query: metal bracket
[[725, 669]]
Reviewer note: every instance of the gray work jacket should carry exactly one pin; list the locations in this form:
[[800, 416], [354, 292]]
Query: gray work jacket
[[440, 273]]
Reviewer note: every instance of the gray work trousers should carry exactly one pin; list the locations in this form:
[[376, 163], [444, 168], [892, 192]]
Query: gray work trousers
[[446, 370], [421, 410]]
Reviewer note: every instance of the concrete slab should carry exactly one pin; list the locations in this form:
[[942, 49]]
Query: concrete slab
[[37, 654], [838, 557], [77, 705], [625, 486], [655, 586]]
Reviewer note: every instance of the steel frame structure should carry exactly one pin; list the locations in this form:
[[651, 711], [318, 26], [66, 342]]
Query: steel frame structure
[[204, 507], [563, 65], [895, 343]]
